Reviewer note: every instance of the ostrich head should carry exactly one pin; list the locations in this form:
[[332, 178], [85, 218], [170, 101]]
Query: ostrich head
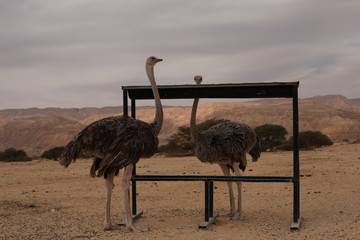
[[255, 152], [151, 61], [198, 79]]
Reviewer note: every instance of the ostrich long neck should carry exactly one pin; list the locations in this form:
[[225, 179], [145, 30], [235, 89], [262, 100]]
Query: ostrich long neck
[[158, 120], [193, 130]]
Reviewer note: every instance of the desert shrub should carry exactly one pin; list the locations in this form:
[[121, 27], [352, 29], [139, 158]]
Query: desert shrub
[[13, 155], [53, 153], [271, 136], [180, 144], [308, 140]]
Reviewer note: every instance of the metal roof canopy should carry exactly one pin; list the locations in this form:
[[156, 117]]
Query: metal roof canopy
[[242, 90]]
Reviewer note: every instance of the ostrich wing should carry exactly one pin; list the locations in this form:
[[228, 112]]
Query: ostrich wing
[[115, 142], [96, 138], [135, 141]]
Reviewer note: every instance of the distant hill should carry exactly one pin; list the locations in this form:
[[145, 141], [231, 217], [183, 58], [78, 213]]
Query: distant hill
[[337, 101], [36, 130]]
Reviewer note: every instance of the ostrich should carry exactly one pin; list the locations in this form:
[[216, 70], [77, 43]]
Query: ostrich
[[115, 143], [225, 144]]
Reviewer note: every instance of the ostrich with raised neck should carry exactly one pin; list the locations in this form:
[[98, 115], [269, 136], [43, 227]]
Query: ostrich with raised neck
[[115, 143], [225, 144]]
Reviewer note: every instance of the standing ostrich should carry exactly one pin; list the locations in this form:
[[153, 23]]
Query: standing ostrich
[[225, 144], [115, 143]]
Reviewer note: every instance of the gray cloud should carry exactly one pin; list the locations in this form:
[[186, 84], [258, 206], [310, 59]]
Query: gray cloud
[[80, 53]]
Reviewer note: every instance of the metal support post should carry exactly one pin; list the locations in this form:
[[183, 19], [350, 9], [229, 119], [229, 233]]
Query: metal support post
[[296, 168], [210, 216]]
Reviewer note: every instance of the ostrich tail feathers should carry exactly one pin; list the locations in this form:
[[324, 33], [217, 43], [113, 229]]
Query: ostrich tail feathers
[[70, 153]]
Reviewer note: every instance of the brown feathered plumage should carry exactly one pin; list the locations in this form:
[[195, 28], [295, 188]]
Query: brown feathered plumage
[[227, 143], [114, 142]]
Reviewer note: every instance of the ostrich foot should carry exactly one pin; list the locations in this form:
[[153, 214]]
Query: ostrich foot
[[229, 215], [237, 216], [138, 229], [111, 227]]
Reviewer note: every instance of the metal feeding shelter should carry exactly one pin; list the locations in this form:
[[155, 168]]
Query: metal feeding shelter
[[243, 90]]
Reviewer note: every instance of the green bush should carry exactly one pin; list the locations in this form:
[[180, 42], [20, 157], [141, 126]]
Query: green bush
[[271, 136], [13, 155], [53, 153], [310, 140], [307, 140]]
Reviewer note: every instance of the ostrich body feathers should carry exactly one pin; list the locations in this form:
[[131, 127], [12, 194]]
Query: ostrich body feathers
[[114, 142], [226, 143]]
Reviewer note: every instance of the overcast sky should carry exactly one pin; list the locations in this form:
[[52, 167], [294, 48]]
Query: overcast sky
[[78, 53]]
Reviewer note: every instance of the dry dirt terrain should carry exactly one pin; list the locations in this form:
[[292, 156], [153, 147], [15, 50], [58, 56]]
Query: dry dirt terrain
[[42, 200]]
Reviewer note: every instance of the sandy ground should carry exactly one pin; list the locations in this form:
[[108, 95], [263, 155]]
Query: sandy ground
[[42, 200]]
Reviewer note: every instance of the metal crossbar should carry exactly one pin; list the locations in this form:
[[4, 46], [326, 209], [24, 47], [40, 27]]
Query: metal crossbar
[[210, 216], [205, 178], [244, 90]]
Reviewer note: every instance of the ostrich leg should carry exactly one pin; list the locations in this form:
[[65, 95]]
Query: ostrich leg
[[126, 188], [226, 172], [238, 214], [109, 187]]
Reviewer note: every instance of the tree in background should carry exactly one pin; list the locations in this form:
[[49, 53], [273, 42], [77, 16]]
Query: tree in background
[[13, 155], [180, 144], [53, 153], [271, 136], [308, 140]]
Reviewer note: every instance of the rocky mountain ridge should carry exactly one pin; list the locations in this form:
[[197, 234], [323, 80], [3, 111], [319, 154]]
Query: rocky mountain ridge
[[36, 130]]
